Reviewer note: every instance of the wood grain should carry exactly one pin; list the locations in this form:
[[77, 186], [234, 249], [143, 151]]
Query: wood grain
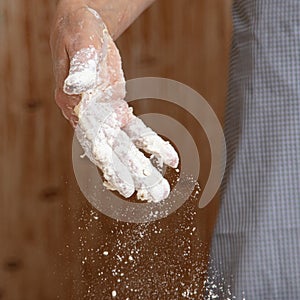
[[45, 222]]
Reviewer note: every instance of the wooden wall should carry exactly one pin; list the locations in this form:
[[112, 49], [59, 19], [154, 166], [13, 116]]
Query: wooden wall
[[46, 225]]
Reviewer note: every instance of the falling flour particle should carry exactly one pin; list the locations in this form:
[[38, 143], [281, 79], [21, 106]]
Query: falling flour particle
[[160, 260]]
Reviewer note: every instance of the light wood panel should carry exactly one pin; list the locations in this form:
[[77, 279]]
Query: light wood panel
[[45, 223]]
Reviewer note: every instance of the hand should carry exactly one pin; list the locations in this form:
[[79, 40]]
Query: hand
[[90, 88]]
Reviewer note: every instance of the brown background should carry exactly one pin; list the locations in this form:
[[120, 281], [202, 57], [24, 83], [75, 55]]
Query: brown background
[[44, 219]]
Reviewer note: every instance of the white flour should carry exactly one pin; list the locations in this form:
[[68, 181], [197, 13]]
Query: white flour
[[160, 260]]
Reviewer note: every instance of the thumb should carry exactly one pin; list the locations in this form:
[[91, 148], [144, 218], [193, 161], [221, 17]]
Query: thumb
[[86, 49], [83, 71]]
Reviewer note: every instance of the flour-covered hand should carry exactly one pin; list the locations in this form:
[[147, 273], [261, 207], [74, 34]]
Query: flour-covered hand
[[92, 96]]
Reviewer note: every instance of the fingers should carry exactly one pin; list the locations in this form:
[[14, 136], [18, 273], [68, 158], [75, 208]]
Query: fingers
[[97, 143], [146, 139], [113, 151], [101, 154], [148, 182]]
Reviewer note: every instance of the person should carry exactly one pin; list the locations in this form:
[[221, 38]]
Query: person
[[256, 245]]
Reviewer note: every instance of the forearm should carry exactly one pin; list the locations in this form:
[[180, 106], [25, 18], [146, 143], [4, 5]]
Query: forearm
[[116, 14]]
